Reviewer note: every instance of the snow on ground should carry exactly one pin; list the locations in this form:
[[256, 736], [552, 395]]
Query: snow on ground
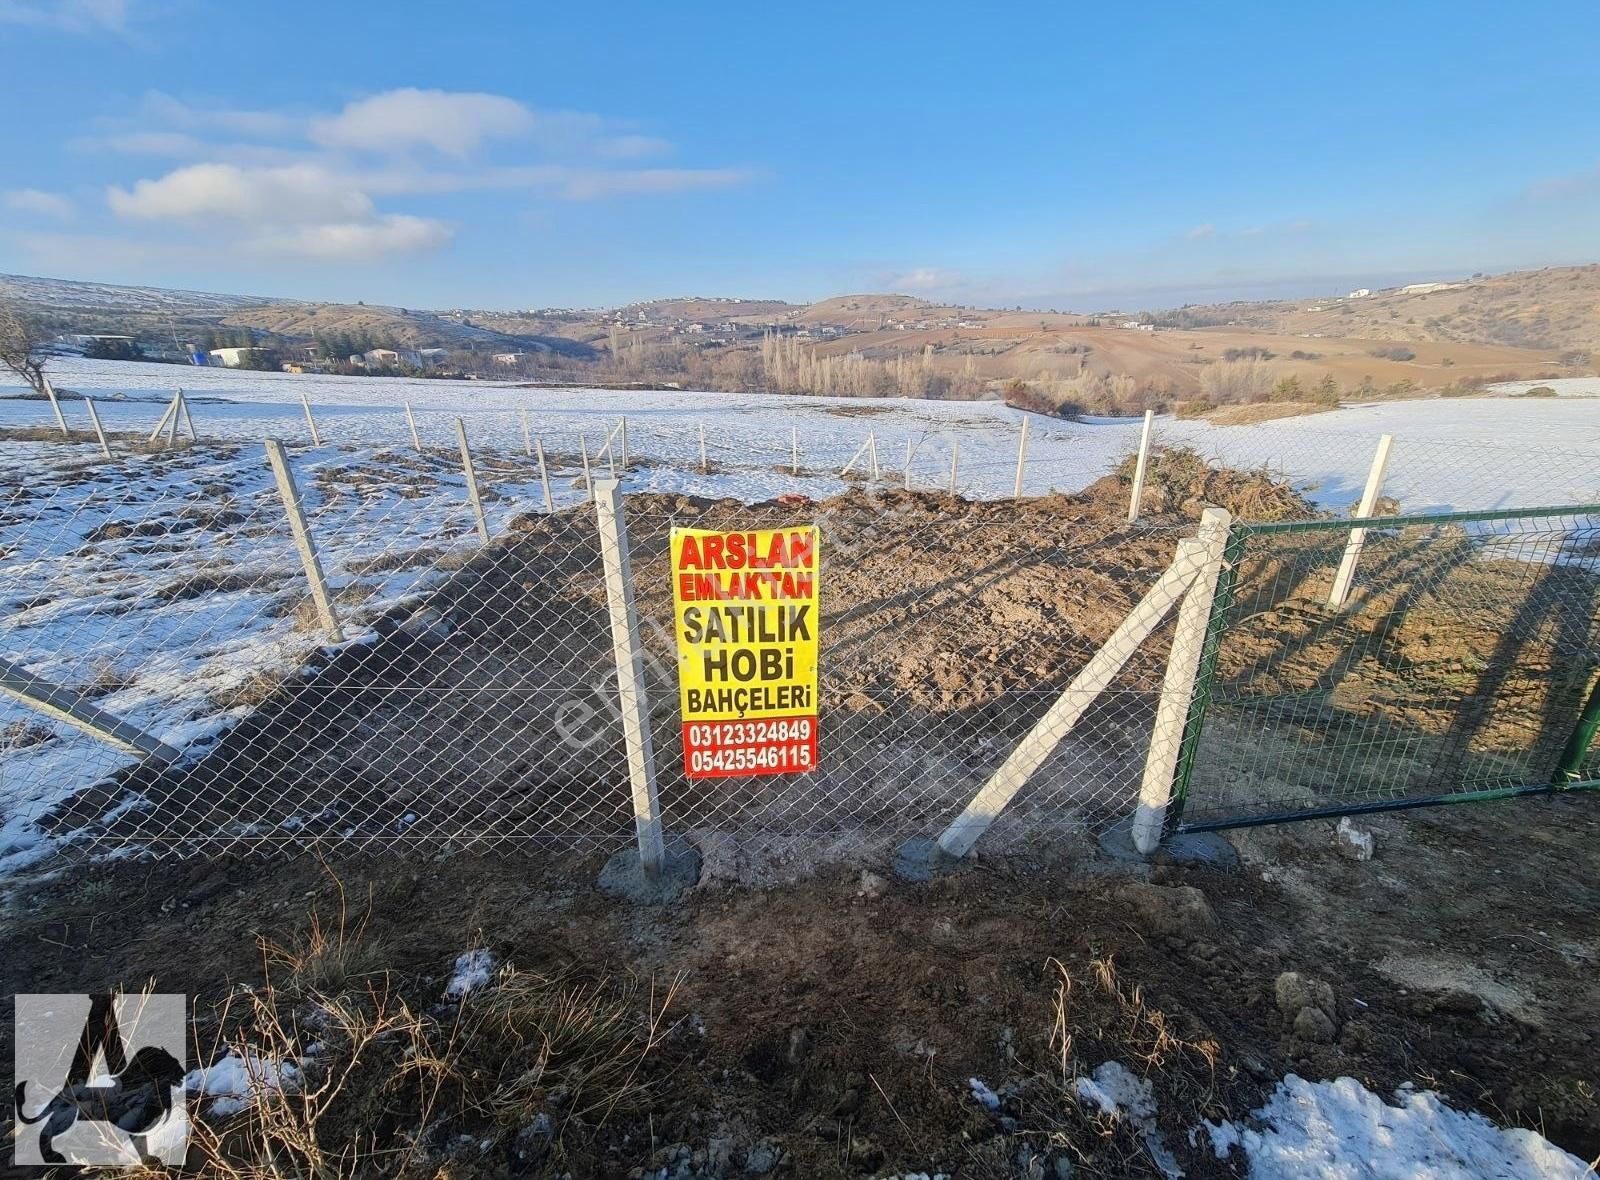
[[1460, 453], [234, 1082], [96, 556], [1340, 1129], [1564, 386], [472, 971], [165, 587]]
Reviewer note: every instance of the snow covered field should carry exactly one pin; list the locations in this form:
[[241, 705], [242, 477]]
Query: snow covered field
[[167, 585], [1564, 386], [1465, 453]]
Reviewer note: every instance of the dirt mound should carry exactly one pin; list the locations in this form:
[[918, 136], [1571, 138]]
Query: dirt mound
[[1180, 481]]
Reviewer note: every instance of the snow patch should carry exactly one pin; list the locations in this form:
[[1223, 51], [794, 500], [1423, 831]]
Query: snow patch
[[1340, 1129], [472, 971], [234, 1082], [986, 1097]]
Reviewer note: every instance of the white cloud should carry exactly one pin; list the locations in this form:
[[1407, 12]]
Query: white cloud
[[360, 241], [67, 16], [1201, 232], [305, 186], [295, 194], [32, 200], [920, 279], [395, 121]]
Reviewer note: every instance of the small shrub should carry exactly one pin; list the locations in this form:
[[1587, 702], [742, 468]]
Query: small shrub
[[1394, 352], [1539, 391]]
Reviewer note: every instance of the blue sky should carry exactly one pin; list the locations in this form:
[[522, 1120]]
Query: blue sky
[[515, 155]]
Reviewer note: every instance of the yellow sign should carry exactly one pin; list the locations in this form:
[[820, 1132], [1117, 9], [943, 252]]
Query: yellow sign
[[745, 613]]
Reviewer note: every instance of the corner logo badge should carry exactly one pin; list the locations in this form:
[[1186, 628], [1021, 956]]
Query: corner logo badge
[[100, 1079]]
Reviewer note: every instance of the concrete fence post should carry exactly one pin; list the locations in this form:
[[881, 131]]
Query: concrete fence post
[[588, 481], [290, 494], [794, 450], [544, 475], [906, 480], [177, 417], [411, 421], [1029, 754], [311, 421], [99, 431], [166, 416], [527, 436], [188, 418], [623, 427], [55, 405], [1358, 537], [859, 452], [1140, 466], [1022, 460], [955, 464], [78, 711], [872, 455], [471, 474], [1204, 553], [704, 466], [629, 656], [610, 449]]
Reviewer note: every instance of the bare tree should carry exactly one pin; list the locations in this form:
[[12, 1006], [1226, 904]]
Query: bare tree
[[22, 342]]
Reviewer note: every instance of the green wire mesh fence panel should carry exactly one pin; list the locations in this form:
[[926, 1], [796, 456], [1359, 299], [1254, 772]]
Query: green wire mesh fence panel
[[1461, 665]]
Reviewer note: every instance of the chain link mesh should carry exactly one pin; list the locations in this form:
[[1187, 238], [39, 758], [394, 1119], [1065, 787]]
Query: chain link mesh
[[473, 698], [1461, 662]]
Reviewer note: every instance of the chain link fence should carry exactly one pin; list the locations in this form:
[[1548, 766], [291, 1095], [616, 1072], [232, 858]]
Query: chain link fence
[[1433, 659], [465, 692]]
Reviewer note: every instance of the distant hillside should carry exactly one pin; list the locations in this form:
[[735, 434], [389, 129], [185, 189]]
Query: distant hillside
[[67, 295], [160, 315], [1454, 335], [1556, 310]]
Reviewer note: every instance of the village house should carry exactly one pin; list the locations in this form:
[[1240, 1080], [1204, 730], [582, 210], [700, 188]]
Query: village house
[[231, 358]]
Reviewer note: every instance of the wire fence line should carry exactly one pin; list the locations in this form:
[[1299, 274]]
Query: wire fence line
[[982, 456], [466, 693]]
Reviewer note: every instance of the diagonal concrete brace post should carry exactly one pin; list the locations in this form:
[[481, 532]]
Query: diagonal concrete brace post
[[78, 711], [1003, 786]]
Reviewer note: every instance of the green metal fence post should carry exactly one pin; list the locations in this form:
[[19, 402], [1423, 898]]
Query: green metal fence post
[[1569, 768], [1216, 626]]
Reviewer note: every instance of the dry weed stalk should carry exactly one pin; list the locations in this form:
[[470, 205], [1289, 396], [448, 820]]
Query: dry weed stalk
[[347, 1079]]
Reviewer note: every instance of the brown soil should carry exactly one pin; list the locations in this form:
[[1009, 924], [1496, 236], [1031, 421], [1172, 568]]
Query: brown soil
[[837, 1027], [487, 714]]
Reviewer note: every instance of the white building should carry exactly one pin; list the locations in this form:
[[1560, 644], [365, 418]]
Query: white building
[[1359, 293], [231, 358]]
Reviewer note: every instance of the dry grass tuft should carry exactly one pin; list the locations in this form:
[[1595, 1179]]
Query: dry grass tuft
[[359, 1074]]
